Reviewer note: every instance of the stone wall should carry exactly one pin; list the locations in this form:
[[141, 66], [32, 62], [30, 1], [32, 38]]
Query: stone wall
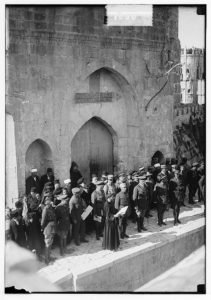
[[52, 55]]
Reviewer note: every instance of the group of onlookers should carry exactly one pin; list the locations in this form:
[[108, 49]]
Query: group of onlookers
[[50, 213]]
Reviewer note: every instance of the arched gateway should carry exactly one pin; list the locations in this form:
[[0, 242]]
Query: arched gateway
[[38, 155], [92, 148]]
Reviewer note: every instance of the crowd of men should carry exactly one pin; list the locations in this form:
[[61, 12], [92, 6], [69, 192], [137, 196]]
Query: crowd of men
[[50, 213]]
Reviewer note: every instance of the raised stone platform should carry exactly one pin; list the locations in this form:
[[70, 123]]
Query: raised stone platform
[[139, 259]]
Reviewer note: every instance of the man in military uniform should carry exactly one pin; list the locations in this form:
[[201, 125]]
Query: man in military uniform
[[150, 188], [130, 190], [33, 181], [110, 188], [176, 191], [76, 208], [62, 223], [122, 200], [141, 201], [48, 224], [98, 201], [192, 179], [161, 193]]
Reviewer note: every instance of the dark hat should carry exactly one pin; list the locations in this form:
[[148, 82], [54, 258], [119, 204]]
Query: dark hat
[[33, 189], [75, 190], [49, 170], [100, 182], [15, 213], [56, 181], [80, 180], [195, 165], [18, 204]]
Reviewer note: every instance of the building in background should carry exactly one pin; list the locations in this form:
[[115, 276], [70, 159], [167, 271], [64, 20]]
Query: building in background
[[193, 76]]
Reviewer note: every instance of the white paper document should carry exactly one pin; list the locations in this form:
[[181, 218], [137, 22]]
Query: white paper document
[[86, 212]]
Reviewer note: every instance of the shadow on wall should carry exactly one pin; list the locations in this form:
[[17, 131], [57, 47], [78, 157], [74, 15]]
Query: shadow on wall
[[189, 139]]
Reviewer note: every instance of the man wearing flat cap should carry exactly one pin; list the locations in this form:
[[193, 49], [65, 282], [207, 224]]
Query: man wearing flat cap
[[76, 208], [48, 177], [98, 200], [33, 181], [141, 201]]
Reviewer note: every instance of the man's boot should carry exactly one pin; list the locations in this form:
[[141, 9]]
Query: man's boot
[[47, 260], [142, 224], [61, 247], [138, 225]]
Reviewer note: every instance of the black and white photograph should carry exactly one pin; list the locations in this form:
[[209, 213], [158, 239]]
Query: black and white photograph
[[105, 147]]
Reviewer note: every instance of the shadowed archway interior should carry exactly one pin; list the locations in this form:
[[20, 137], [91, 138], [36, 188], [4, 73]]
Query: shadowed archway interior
[[39, 156], [92, 148]]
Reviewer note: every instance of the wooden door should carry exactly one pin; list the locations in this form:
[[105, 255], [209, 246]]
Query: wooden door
[[92, 149]]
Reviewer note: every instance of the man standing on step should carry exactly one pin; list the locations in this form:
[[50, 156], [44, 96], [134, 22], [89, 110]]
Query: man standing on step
[[161, 193], [141, 201], [48, 224], [122, 200], [76, 208]]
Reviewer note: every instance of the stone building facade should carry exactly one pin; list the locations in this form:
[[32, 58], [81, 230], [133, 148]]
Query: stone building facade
[[193, 76], [78, 89]]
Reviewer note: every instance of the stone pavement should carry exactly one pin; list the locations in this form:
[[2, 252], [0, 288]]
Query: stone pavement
[[89, 256]]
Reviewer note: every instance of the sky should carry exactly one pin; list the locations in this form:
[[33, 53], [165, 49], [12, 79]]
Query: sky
[[191, 28]]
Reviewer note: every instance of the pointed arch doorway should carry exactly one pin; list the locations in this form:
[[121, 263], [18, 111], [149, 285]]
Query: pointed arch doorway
[[92, 149]]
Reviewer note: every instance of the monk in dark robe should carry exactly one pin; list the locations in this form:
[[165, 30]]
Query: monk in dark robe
[[111, 234]]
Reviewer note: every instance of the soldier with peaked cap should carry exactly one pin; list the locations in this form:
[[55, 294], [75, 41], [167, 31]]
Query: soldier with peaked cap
[[161, 194], [130, 191], [141, 201], [110, 188], [98, 200], [176, 190], [122, 200], [150, 187], [76, 207], [121, 179], [33, 181]]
